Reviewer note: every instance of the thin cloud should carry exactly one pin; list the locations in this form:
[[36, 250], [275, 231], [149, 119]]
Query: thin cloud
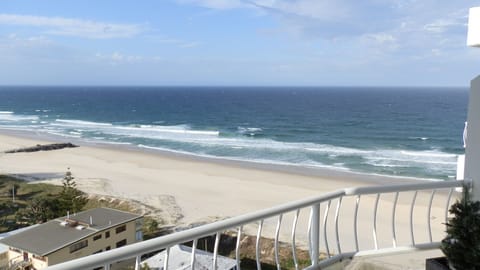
[[313, 9], [117, 57], [328, 19], [190, 45], [73, 27], [442, 25], [317, 9], [216, 4], [180, 43]]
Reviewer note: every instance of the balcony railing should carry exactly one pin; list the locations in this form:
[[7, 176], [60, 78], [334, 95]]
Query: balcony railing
[[391, 218]]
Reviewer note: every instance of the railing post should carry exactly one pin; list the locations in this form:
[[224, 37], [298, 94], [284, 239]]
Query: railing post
[[472, 151], [315, 237], [137, 262]]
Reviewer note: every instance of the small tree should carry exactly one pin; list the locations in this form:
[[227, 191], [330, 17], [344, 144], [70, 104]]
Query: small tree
[[38, 210], [461, 246], [71, 199]]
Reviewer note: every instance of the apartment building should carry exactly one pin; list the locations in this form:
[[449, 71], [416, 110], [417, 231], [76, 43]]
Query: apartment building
[[71, 237]]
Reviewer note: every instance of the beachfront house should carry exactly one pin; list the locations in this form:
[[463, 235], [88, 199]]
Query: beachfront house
[[4, 249], [71, 237]]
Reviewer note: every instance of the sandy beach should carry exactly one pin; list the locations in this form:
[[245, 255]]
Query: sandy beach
[[189, 190], [201, 189]]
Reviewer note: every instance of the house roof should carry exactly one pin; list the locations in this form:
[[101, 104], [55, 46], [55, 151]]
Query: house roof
[[4, 248], [180, 258], [61, 232]]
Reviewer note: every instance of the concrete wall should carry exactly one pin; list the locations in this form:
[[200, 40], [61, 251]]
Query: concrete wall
[[472, 151], [101, 244], [17, 256], [3, 259]]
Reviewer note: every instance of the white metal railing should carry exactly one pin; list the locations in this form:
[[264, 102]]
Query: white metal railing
[[319, 230]]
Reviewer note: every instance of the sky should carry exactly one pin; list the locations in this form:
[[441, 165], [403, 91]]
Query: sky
[[236, 43]]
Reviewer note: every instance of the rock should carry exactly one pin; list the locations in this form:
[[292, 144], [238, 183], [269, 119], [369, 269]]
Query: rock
[[45, 147]]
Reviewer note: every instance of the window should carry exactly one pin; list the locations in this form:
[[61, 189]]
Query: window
[[78, 246], [121, 229], [96, 237], [107, 234], [139, 236], [98, 251], [39, 258], [121, 243], [107, 248]]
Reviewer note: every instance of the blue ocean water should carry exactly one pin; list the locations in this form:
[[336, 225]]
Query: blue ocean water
[[411, 132]]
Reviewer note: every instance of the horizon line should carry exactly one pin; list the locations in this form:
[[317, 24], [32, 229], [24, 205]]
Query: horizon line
[[234, 86]]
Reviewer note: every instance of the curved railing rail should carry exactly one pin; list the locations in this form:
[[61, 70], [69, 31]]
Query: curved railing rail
[[320, 238]]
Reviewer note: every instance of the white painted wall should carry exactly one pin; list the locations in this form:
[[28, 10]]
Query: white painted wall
[[472, 151]]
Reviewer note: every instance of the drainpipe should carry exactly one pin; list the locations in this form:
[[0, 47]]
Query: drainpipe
[[472, 149]]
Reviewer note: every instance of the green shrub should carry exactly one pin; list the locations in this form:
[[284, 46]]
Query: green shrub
[[461, 246]]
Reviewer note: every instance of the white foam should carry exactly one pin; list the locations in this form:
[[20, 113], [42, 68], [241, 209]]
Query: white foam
[[170, 150], [434, 154], [431, 161], [419, 138], [63, 134], [6, 112], [81, 123], [179, 129], [140, 131], [249, 129], [11, 117], [310, 164], [109, 142], [410, 157], [337, 150], [160, 133]]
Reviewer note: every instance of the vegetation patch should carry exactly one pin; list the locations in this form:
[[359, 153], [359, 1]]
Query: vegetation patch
[[17, 195]]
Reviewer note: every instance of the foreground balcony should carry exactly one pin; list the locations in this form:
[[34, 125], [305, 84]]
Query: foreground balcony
[[335, 227]]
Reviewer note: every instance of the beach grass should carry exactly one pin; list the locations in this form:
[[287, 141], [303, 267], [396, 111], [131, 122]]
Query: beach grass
[[24, 192]]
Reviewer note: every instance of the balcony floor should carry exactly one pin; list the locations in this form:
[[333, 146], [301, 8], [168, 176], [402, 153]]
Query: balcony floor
[[403, 261]]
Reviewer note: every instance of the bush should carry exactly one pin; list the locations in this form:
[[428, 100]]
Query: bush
[[461, 246]]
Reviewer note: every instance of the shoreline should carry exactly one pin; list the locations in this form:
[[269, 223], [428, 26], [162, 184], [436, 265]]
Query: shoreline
[[331, 173]]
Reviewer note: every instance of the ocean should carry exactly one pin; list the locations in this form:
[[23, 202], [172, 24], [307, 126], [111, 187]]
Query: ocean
[[407, 132]]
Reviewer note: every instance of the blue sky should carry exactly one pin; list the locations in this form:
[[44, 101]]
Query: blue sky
[[236, 42]]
